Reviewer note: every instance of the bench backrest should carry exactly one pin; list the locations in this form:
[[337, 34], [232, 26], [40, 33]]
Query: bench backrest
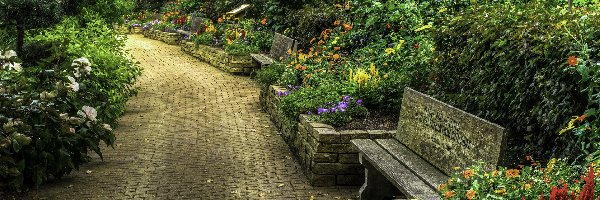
[[280, 46], [445, 136], [238, 12], [197, 24]]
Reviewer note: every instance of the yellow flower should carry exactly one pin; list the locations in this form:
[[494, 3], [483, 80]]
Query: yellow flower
[[400, 43], [527, 186], [428, 26], [500, 191], [389, 51], [470, 194], [495, 173], [550, 165], [302, 57], [373, 70], [570, 126], [512, 173]]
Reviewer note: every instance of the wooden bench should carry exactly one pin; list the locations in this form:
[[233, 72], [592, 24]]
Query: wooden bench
[[279, 50], [431, 140]]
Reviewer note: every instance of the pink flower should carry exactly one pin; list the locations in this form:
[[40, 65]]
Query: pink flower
[[71, 130], [88, 112]]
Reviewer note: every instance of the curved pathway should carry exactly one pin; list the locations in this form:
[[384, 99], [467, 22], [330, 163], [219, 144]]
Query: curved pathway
[[193, 132]]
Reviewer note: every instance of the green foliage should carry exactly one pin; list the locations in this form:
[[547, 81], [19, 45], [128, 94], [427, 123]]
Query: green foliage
[[240, 48], [261, 39], [529, 182], [54, 112], [270, 75], [204, 39], [505, 63]]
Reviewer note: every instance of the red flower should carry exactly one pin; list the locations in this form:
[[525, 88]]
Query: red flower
[[416, 45]]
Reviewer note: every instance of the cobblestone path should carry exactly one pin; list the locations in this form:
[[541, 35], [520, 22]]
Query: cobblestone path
[[193, 132]]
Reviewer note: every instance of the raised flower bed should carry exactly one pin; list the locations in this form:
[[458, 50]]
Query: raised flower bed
[[327, 157], [218, 58]]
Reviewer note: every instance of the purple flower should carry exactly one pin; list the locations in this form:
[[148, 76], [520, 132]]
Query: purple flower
[[297, 87], [333, 110], [309, 113], [359, 102], [279, 93], [286, 93], [346, 98]]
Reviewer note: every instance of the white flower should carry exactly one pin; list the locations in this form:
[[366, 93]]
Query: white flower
[[76, 74], [73, 85], [107, 127], [87, 69], [13, 66], [81, 62], [88, 112], [8, 54]]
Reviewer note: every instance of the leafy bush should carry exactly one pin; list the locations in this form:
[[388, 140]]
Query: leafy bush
[[556, 180], [240, 48], [506, 63], [261, 39], [204, 39], [54, 112], [270, 75]]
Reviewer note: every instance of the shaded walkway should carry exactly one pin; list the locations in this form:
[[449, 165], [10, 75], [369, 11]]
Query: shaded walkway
[[193, 132]]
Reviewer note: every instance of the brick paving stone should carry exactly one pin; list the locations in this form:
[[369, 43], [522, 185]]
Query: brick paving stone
[[193, 132]]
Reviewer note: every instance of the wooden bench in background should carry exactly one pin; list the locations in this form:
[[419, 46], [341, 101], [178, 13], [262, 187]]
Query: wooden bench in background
[[432, 139], [279, 51]]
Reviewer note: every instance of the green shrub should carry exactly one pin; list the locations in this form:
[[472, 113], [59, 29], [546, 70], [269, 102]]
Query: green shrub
[[240, 48], [54, 112], [261, 39], [204, 39], [506, 63], [270, 75]]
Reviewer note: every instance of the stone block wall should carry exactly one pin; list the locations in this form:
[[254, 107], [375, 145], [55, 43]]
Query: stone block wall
[[326, 155]]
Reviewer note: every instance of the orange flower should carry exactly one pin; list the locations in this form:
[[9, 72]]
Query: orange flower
[[300, 67], [512, 173], [336, 23], [289, 51], [442, 186], [336, 48], [388, 26], [449, 194], [321, 42], [347, 26], [220, 20], [348, 5], [264, 21], [336, 56], [471, 194], [572, 60], [581, 118], [468, 173], [312, 40]]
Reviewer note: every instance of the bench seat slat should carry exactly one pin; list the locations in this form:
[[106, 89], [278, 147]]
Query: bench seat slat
[[404, 179], [427, 172], [262, 58]]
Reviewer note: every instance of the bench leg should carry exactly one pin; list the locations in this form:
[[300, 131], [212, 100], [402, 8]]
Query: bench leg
[[376, 186]]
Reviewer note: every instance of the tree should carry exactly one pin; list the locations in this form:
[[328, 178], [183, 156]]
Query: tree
[[29, 14]]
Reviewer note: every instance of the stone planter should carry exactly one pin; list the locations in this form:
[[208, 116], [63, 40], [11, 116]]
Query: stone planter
[[218, 58], [136, 30], [327, 157]]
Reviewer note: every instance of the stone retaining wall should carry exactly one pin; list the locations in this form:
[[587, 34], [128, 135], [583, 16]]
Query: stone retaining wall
[[218, 58], [326, 155], [214, 56]]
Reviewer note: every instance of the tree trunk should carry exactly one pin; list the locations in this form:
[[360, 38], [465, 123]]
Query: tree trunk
[[20, 38]]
